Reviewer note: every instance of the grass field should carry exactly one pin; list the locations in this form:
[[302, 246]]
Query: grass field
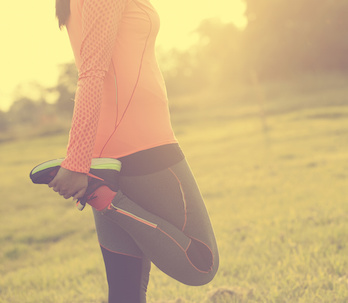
[[272, 164]]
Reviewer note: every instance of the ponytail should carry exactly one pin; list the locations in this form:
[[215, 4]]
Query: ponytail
[[62, 11]]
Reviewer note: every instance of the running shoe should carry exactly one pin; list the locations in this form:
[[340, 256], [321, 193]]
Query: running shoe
[[103, 172]]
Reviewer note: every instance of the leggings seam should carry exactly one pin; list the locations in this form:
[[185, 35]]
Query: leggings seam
[[211, 252], [176, 242], [128, 214], [185, 251], [120, 253], [183, 198]]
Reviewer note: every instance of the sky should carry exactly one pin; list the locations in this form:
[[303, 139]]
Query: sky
[[32, 46]]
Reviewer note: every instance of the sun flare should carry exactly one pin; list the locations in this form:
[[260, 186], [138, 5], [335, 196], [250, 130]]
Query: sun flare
[[179, 19], [33, 46]]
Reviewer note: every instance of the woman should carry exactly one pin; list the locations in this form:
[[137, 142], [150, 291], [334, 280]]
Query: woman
[[121, 112]]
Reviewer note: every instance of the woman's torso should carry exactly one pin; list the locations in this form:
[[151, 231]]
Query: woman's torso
[[134, 112]]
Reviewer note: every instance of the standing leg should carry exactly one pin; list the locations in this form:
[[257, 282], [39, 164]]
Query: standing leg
[[127, 277]]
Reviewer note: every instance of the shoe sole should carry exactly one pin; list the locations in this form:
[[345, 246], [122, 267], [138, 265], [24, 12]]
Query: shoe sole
[[45, 172]]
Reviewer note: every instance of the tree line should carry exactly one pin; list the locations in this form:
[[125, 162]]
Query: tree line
[[282, 39]]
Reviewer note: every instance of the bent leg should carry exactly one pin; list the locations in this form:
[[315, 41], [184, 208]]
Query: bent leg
[[165, 215]]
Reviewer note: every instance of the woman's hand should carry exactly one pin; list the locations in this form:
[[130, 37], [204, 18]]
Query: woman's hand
[[69, 184]]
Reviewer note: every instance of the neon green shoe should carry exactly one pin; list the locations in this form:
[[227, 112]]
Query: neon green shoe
[[103, 172]]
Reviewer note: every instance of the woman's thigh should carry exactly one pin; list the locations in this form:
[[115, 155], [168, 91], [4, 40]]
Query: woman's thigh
[[173, 195]]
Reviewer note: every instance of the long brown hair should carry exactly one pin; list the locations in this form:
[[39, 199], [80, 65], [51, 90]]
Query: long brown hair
[[62, 11]]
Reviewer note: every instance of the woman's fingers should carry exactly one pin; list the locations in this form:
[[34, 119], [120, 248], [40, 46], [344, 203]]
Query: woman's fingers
[[79, 194], [69, 184], [66, 196]]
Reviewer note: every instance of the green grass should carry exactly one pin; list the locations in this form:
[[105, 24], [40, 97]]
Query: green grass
[[272, 164]]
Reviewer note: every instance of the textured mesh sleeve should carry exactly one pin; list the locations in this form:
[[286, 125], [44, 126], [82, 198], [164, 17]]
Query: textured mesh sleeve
[[100, 19]]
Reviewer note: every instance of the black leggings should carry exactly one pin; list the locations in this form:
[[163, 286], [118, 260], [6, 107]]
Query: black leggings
[[164, 214], [127, 277]]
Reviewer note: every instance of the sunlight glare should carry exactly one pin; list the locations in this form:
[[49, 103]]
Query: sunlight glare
[[179, 19], [33, 46]]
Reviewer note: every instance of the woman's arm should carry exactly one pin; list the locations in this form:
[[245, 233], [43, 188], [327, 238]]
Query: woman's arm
[[100, 19]]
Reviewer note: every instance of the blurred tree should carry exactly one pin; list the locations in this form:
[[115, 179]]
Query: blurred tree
[[24, 111], [4, 122], [65, 89], [219, 54], [215, 61], [178, 68], [285, 37]]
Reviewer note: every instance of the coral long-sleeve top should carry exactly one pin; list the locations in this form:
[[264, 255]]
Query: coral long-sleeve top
[[121, 104]]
